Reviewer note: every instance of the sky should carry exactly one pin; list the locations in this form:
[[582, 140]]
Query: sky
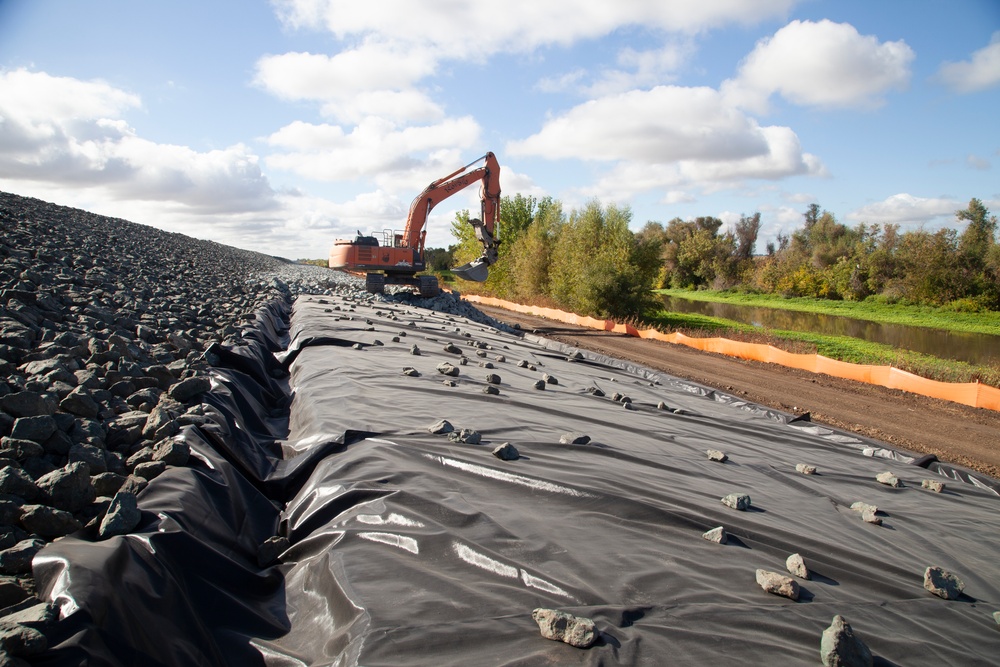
[[281, 126]]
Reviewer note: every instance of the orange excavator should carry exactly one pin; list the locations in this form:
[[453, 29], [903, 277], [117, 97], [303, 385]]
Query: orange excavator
[[400, 256]]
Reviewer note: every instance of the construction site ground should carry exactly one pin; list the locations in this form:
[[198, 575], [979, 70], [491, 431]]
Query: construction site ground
[[954, 433]]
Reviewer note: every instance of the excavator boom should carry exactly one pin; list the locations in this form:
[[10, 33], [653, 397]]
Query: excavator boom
[[401, 256]]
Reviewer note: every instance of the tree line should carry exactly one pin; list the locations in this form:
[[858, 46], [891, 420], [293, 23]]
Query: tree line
[[590, 262]]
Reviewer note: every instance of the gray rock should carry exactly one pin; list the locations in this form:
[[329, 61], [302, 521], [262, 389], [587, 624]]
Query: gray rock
[[142, 455], [446, 368], [107, 483], [452, 348], [493, 378], [717, 535], [92, 456], [796, 565], [932, 485], [942, 583], [21, 640], [271, 549], [560, 626], [48, 522], [411, 372], [414, 350], [716, 455], [25, 404], [549, 379], [491, 390], [149, 470], [68, 488], [38, 428], [80, 402], [11, 591], [172, 451], [864, 507], [122, 517], [888, 479], [840, 647], [506, 452], [134, 484], [466, 435], [189, 388], [20, 450], [58, 443], [16, 482], [539, 384], [33, 613], [574, 438], [805, 469], [441, 427], [17, 559], [738, 501], [869, 516], [778, 584]]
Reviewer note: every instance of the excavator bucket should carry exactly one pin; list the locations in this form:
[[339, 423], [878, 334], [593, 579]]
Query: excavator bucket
[[476, 270]]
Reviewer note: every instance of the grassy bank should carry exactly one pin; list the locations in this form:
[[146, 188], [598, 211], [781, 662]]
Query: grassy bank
[[843, 348], [917, 316]]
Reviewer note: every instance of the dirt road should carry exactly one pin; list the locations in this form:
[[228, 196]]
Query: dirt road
[[954, 433]]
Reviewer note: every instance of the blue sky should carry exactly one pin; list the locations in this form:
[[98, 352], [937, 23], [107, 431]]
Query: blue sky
[[280, 126]]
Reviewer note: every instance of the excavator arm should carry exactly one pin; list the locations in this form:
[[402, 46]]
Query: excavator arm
[[488, 173]]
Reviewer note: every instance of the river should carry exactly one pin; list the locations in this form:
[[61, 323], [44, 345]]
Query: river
[[974, 348]]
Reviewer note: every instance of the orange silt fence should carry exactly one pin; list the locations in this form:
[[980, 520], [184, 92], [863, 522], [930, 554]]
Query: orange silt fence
[[974, 394]]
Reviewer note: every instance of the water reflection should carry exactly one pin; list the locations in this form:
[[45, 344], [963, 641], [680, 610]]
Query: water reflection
[[974, 348]]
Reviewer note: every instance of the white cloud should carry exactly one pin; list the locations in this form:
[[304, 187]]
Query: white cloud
[[375, 148], [980, 72], [478, 29], [678, 197], [375, 78], [978, 162], [669, 138], [906, 209], [66, 132], [636, 69], [820, 64], [664, 124]]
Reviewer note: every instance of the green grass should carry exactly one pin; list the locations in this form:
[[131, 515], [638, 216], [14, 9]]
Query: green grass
[[874, 311], [843, 348]]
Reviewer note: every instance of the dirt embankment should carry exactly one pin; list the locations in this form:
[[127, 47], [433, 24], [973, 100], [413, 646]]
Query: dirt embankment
[[954, 433]]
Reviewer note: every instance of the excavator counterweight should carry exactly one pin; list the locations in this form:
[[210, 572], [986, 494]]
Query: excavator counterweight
[[400, 256]]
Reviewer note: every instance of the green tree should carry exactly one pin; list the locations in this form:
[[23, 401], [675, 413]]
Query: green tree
[[979, 234], [598, 267]]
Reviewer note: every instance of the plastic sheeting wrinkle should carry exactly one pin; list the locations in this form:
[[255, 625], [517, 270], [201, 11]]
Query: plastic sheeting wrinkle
[[511, 478], [393, 540], [59, 594], [484, 562], [392, 520]]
